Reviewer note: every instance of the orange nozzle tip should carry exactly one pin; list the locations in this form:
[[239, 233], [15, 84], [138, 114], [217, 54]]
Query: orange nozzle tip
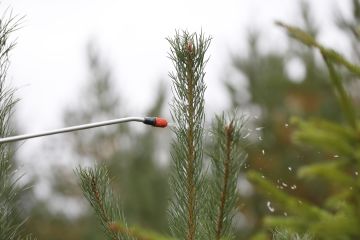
[[160, 122]]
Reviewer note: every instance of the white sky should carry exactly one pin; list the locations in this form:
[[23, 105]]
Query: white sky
[[49, 62]]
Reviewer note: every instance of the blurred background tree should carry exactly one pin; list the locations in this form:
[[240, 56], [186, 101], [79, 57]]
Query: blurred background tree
[[337, 216], [274, 96], [279, 95]]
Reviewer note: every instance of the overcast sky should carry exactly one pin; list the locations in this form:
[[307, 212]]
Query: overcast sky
[[49, 62]]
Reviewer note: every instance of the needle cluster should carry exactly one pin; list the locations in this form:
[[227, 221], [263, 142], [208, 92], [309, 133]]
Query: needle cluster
[[188, 56], [95, 184], [200, 208], [227, 156]]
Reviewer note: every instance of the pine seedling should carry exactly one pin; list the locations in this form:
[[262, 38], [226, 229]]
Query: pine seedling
[[200, 209], [188, 56], [227, 157], [95, 184]]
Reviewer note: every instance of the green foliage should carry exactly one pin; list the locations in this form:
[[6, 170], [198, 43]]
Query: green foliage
[[309, 40], [200, 208], [95, 184], [330, 56], [325, 135], [337, 216], [286, 235], [10, 223], [188, 56], [276, 98], [227, 156]]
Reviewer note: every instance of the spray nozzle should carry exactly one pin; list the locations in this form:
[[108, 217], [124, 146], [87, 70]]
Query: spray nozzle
[[156, 122]]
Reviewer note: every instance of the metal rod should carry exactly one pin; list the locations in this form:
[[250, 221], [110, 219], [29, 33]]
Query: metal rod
[[71, 129]]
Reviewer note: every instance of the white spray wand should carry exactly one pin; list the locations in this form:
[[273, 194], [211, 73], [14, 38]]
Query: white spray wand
[[153, 121]]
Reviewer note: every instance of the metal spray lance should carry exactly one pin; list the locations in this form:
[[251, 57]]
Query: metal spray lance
[[153, 121]]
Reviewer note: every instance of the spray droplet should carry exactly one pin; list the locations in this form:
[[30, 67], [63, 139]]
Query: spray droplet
[[259, 128], [336, 156], [284, 184], [260, 138], [286, 125], [356, 173], [262, 176], [263, 152], [285, 214], [248, 134], [268, 204], [293, 187], [290, 169]]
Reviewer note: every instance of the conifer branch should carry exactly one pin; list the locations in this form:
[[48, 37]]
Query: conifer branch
[[331, 171], [286, 235], [308, 40], [95, 184], [188, 57], [342, 95], [224, 191], [227, 157], [229, 130], [325, 135], [330, 56], [286, 201], [10, 227]]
